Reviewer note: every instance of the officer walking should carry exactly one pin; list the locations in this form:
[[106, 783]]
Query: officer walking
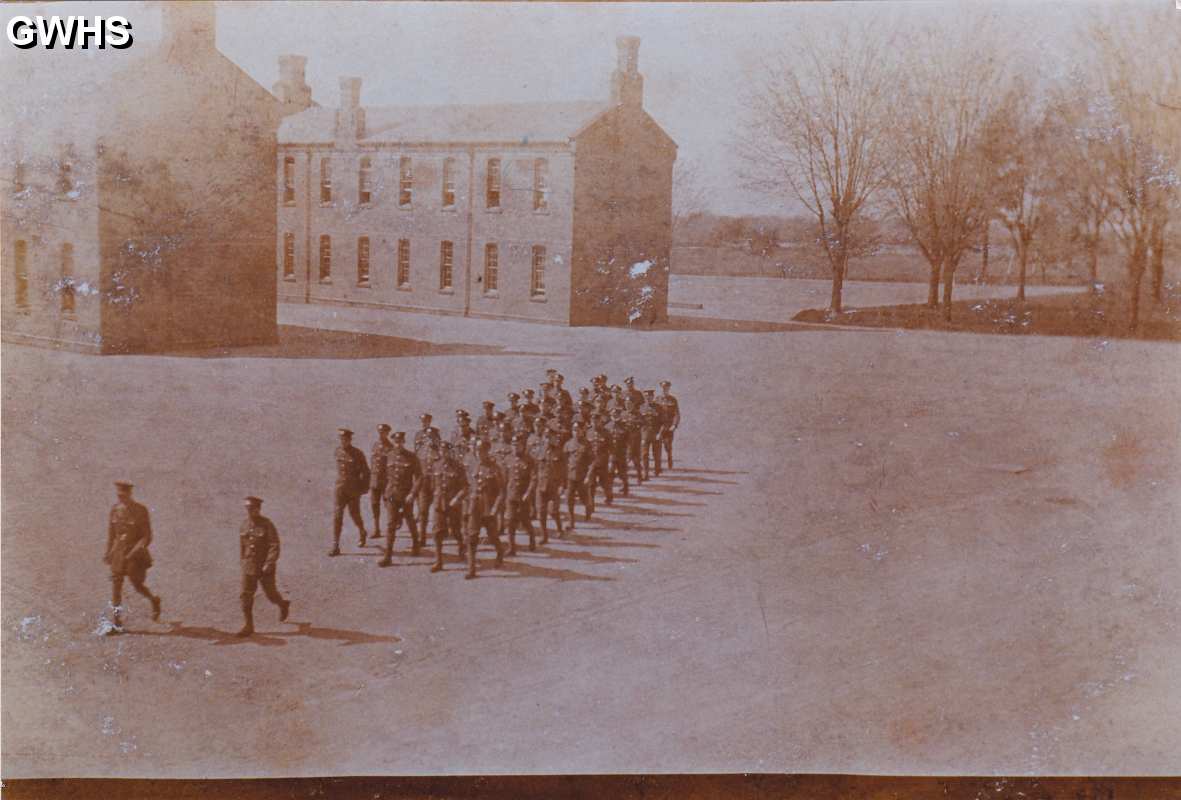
[[620, 436], [520, 478], [403, 481], [577, 453], [652, 419], [259, 551], [481, 506], [430, 450], [672, 418], [352, 481], [450, 483], [377, 462], [602, 449], [129, 533]]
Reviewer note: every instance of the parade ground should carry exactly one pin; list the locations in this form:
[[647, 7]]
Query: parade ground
[[879, 551]]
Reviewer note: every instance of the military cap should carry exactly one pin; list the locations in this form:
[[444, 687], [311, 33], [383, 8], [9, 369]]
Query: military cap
[[649, 391], [399, 436], [459, 412], [383, 427], [665, 384], [560, 377], [629, 380], [344, 431], [124, 485], [551, 372], [251, 500], [514, 396], [616, 388], [528, 393], [489, 404], [425, 418]]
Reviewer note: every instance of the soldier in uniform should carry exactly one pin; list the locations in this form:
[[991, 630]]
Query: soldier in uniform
[[481, 506], [653, 427], [672, 418], [620, 436], [513, 414], [403, 480], [450, 483], [502, 451], [551, 479], [352, 481], [129, 533], [377, 463], [529, 409], [520, 479], [259, 551], [423, 436], [462, 433], [486, 424], [602, 448], [565, 401], [630, 393], [635, 441], [427, 454], [618, 400], [577, 453]]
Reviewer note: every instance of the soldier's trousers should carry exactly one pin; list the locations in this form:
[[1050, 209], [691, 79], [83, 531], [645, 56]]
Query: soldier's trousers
[[635, 455], [250, 584], [549, 503], [397, 509], [138, 577], [577, 490], [345, 499], [426, 499], [476, 524], [619, 469], [601, 477], [517, 512], [666, 439], [651, 452], [375, 494]]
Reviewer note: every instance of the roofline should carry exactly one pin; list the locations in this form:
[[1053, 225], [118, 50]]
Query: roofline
[[549, 144]]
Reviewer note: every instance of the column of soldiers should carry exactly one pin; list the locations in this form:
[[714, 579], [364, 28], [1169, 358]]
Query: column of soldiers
[[506, 473]]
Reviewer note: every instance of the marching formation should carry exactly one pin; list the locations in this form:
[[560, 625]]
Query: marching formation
[[505, 472]]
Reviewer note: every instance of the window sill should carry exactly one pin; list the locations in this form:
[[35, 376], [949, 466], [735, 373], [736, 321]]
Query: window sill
[[288, 204], [363, 285], [538, 298], [326, 204], [405, 288], [451, 209], [492, 294], [447, 291], [326, 281], [541, 212], [406, 207], [289, 278], [494, 209]]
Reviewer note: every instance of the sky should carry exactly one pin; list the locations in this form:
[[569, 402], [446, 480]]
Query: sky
[[695, 58]]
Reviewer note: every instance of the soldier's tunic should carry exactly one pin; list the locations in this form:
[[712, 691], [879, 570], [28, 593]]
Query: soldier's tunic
[[352, 481], [377, 461], [483, 494], [602, 448], [129, 532], [423, 438], [259, 552], [672, 420], [551, 478], [461, 441], [486, 427], [635, 444], [426, 487], [520, 480], [403, 472], [577, 453], [620, 435], [652, 424], [501, 452], [450, 482]]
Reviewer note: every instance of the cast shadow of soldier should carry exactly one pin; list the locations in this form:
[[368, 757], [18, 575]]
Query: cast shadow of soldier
[[271, 638]]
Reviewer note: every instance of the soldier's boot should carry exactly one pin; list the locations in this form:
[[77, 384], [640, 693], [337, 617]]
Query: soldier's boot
[[532, 539], [499, 553], [116, 622], [248, 614], [284, 610], [415, 539], [512, 543], [335, 551], [471, 560], [438, 565], [155, 601]]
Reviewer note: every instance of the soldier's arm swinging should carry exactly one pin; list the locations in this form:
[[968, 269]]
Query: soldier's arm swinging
[[272, 558]]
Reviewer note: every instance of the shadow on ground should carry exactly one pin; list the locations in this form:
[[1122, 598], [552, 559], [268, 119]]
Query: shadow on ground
[[270, 638], [296, 341]]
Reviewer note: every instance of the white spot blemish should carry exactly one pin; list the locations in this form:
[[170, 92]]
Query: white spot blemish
[[640, 268]]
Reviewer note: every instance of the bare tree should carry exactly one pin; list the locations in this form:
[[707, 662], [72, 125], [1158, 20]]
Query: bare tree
[[689, 195], [950, 89], [813, 131]]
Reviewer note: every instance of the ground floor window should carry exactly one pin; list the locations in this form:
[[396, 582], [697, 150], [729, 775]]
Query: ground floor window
[[446, 265], [289, 256], [537, 273], [491, 267], [325, 258], [363, 261], [403, 263]]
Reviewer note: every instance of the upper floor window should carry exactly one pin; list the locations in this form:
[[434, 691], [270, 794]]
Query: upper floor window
[[446, 263], [325, 180], [363, 261], [492, 188], [363, 176], [289, 256], [448, 182], [289, 180], [65, 178], [491, 267], [403, 263], [325, 258], [20, 273], [537, 273], [67, 279], [18, 178], [540, 184], [405, 181]]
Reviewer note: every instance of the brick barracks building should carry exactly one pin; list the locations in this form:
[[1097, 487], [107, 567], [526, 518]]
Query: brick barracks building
[[138, 211], [549, 212]]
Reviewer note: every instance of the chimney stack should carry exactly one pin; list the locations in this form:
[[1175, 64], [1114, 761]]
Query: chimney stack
[[627, 84], [350, 117], [292, 87], [188, 27]]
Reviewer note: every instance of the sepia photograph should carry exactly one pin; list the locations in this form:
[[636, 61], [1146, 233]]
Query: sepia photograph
[[591, 389]]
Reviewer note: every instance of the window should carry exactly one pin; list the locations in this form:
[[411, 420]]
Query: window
[[20, 268], [363, 261], [537, 274], [289, 180], [540, 184], [325, 180], [446, 255], [448, 182], [18, 178], [405, 181], [363, 195], [65, 178], [491, 268], [67, 284], [403, 263], [325, 259], [289, 256], [492, 190]]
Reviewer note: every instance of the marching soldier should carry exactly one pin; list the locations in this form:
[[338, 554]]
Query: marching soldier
[[529, 408], [450, 482], [630, 393], [404, 478], [259, 551], [672, 418], [618, 399], [462, 433], [602, 449], [129, 533], [427, 454], [520, 478], [620, 436], [653, 427], [635, 441], [377, 461], [481, 506], [514, 414], [578, 462], [565, 401], [551, 479], [486, 424], [352, 481], [502, 451], [423, 437]]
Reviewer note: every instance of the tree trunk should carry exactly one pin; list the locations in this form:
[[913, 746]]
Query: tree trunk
[[984, 256], [838, 283], [1022, 264], [948, 280], [1093, 262], [1158, 263], [933, 286], [1136, 269]]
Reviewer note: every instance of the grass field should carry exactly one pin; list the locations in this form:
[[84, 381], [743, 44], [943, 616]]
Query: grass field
[[881, 551]]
